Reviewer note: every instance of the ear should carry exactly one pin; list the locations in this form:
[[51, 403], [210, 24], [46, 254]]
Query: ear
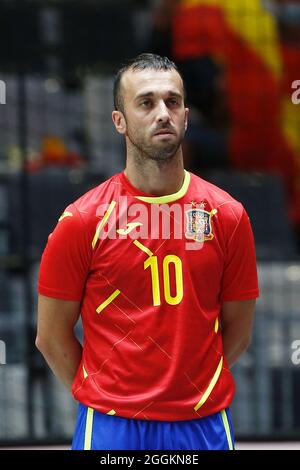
[[119, 121], [186, 118]]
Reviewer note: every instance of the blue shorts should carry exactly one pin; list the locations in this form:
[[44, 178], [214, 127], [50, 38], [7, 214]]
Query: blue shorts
[[98, 431]]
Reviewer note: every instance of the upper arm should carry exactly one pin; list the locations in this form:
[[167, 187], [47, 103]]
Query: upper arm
[[239, 313], [239, 280], [56, 318], [66, 259]]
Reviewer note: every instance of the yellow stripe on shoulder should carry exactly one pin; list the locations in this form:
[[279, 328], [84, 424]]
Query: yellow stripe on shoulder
[[65, 214], [103, 222]]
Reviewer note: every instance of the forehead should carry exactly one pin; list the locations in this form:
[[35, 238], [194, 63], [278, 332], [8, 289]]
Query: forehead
[[136, 82]]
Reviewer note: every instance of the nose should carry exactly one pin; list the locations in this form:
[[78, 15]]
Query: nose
[[163, 115]]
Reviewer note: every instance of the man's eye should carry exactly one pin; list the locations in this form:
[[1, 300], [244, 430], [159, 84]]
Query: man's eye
[[146, 103], [173, 102]]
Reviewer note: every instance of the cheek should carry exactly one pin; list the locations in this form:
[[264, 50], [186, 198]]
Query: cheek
[[138, 126]]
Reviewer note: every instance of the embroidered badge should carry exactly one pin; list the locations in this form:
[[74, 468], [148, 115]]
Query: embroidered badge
[[198, 223]]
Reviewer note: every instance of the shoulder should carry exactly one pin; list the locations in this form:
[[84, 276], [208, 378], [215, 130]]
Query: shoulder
[[80, 218], [93, 203]]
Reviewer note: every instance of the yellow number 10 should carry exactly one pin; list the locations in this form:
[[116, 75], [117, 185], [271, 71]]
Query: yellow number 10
[[152, 262]]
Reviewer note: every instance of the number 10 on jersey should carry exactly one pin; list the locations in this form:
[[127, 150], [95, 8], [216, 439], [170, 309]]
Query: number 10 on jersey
[[152, 263]]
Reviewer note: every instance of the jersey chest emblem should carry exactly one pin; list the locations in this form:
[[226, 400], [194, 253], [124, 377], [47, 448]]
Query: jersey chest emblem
[[198, 224]]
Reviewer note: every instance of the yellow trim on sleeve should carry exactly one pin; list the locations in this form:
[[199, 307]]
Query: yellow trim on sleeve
[[111, 413], [170, 197], [103, 222], [211, 386], [227, 429], [108, 301], [65, 214], [88, 429]]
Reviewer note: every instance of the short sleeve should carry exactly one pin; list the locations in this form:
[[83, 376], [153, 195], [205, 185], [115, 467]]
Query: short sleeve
[[66, 259], [240, 271]]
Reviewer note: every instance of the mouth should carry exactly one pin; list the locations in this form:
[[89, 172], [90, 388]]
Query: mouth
[[164, 132]]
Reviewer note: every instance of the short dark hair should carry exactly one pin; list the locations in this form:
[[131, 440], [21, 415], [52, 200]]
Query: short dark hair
[[141, 62]]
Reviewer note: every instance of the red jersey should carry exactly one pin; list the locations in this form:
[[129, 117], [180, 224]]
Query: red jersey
[[151, 274]]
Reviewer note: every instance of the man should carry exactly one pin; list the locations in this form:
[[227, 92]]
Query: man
[[161, 266]]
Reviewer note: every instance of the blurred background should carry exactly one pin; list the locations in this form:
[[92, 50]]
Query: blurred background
[[239, 59]]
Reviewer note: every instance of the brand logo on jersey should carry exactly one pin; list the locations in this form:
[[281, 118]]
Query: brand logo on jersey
[[130, 226], [198, 224]]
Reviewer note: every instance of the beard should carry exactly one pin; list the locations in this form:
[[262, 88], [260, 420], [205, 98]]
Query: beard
[[160, 151]]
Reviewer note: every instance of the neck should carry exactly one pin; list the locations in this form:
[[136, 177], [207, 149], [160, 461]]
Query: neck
[[156, 178]]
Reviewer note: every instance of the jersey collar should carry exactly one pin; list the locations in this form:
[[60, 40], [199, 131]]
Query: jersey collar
[[159, 199]]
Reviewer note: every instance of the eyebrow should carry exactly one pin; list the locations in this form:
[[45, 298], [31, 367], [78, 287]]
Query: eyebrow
[[151, 94]]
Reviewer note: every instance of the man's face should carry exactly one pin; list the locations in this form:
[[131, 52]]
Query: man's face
[[155, 118]]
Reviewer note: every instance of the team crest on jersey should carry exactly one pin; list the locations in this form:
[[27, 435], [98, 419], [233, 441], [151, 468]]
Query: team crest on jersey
[[198, 224]]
